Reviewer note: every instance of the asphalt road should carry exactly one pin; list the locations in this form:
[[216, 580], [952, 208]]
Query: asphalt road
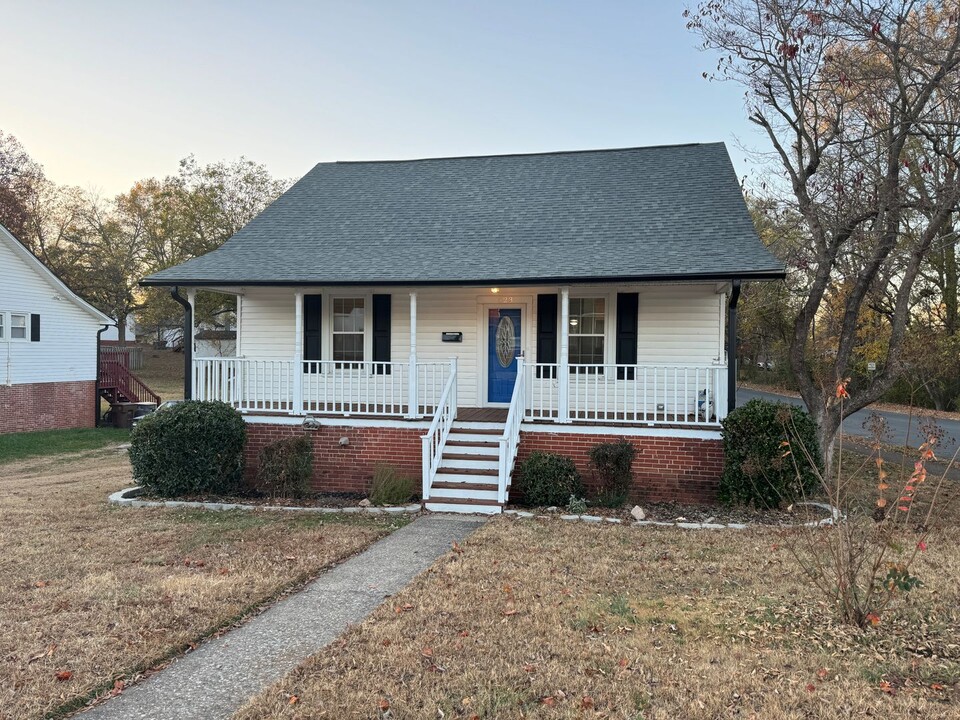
[[897, 422]]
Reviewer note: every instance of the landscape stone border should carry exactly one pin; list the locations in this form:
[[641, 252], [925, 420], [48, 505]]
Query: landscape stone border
[[835, 516], [128, 498]]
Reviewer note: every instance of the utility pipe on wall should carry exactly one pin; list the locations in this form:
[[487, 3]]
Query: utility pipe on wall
[[187, 344], [732, 345]]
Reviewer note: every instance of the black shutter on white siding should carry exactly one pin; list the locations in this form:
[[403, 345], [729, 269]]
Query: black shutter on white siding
[[627, 316], [34, 328], [381, 333], [547, 334], [312, 325]]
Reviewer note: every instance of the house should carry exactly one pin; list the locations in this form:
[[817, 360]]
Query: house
[[48, 346], [449, 316]]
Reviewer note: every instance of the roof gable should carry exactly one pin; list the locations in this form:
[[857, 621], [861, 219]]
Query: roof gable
[[31, 260], [641, 213]]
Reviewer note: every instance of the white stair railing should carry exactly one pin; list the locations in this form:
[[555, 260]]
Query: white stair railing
[[510, 440], [435, 440]]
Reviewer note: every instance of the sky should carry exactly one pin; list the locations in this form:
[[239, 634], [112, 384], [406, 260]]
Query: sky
[[103, 94]]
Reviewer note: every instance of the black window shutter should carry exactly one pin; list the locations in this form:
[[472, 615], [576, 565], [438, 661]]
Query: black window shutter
[[546, 333], [381, 333], [627, 311], [312, 324], [34, 328]]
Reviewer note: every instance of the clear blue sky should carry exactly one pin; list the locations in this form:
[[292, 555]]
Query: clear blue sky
[[105, 93]]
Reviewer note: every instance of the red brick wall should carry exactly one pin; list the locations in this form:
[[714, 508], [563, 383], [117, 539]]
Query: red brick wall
[[677, 469], [346, 468], [46, 406]]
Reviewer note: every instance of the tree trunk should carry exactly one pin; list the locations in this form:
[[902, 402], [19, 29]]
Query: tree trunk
[[122, 330]]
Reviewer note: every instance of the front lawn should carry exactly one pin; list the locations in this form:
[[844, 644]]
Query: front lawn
[[91, 594], [552, 619], [19, 446]]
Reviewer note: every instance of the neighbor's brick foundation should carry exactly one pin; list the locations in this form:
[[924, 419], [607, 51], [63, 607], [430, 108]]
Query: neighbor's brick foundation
[[343, 468], [676, 469], [46, 406], [679, 469]]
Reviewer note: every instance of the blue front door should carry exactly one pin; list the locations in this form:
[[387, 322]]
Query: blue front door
[[503, 347]]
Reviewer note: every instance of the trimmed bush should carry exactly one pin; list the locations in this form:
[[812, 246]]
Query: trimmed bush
[[390, 487], [192, 448], [757, 471], [548, 479], [285, 467], [613, 465]]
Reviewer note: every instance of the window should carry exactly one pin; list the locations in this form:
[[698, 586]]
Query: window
[[18, 326], [3, 334], [587, 331], [348, 329]]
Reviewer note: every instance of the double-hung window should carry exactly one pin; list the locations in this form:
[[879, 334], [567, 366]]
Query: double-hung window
[[587, 332], [3, 327], [18, 326], [348, 315]]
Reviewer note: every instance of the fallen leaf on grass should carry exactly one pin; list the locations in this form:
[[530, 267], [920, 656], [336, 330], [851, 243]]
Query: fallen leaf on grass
[[40, 583], [63, 675], [384, 704], [294, 699], [118, 686]]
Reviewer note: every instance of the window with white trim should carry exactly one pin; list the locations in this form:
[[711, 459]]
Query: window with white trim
[[3, 327], [18, 326], [587, 330], [348, 333]]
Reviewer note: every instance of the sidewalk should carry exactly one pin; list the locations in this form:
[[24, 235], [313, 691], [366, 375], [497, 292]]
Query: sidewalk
[[217, 678]]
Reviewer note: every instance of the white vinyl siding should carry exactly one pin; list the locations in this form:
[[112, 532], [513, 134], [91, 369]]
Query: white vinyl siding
[[677, 324], [67, 349]]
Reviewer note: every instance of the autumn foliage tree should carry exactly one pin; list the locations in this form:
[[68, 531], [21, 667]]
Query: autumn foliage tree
[[850, 97]]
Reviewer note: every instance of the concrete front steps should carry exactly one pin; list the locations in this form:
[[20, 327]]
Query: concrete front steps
[[466, 480]]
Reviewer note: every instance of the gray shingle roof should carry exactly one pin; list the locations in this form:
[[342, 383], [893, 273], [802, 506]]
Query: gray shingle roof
[[641, 213]]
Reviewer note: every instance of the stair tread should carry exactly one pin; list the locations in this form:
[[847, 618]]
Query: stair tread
[[475, 431], [461, 501], [470, 456], [482, 487], [472, 443], [447, 470]]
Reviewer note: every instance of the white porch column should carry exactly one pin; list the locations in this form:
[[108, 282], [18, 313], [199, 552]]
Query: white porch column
[[298, 355], [563, 362], [413, 405]]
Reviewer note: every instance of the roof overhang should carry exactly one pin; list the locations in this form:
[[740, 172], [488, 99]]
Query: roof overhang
[[506, 282]]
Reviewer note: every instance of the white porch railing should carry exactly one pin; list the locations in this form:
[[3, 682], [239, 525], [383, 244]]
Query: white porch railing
[[325, 386], [436, 438], [510, 440], [634, 394]]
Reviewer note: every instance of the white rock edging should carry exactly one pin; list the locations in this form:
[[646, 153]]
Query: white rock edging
[[127, 498], [835, 517]]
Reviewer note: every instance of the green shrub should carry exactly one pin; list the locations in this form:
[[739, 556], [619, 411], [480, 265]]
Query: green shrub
[[548, 479], [194, 447], [576, 505], [613, 465], [757, 468], [390, 487], [285, 467]]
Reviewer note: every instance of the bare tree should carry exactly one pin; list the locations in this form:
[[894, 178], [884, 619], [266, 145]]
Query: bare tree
[[847, 94]]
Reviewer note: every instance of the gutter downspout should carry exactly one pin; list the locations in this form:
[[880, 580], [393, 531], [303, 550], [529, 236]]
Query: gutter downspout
[[187, 344], [96, 382], [732, 345]]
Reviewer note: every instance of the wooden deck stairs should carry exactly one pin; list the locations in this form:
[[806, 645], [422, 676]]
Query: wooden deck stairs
[[466, 481]]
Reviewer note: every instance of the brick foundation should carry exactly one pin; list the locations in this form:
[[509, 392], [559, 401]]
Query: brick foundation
[[665, 469], [679, 469], [46, 406], [343, 468]]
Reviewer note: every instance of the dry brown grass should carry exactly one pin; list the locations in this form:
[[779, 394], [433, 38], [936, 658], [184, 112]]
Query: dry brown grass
[[163, 371], [102, 592], [549, 619]]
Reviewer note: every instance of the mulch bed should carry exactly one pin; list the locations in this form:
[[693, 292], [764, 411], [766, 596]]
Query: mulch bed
[[334, 500]]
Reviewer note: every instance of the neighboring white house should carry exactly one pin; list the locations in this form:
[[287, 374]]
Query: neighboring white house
[[48, 346], [451, 315]]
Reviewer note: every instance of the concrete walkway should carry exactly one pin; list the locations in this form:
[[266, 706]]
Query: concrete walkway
[[222, 674]]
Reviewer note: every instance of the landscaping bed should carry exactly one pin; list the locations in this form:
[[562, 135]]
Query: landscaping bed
[[673, 512], [92, 595]]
